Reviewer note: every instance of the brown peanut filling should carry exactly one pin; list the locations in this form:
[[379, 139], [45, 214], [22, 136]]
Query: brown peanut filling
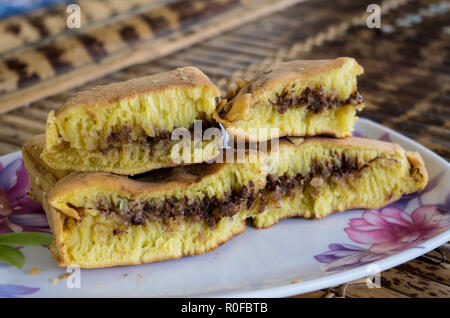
[[123, 136], [316, 100], [209, 210]]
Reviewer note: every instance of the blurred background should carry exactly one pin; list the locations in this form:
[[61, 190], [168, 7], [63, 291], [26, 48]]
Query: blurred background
[[49, 49]]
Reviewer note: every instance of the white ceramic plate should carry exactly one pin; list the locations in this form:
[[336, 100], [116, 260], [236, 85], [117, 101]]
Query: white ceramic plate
[[292, 257]]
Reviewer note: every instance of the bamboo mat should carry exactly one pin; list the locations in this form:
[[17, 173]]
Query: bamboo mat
[[406, 86], [40, 57]]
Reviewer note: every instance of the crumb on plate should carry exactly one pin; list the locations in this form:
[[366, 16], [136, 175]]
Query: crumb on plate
[[64, 276]]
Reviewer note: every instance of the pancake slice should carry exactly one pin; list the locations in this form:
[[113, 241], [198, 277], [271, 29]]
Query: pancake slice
[[300, 98], [126, 127], [314, 177], [101, 219]]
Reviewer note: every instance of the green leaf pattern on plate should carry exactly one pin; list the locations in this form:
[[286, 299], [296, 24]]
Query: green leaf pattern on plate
[[11, 256]]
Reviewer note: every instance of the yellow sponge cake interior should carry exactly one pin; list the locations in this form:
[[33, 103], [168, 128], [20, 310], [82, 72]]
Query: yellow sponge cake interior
[[317, 176]]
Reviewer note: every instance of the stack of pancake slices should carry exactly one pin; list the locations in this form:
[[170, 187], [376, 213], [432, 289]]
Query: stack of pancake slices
[[138, 171]]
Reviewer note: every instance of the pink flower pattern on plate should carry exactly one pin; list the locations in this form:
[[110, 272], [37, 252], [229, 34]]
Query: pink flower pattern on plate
[[387, 232], [393, 230], [18, 213]]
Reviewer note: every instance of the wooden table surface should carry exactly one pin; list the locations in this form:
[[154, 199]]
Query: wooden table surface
[[406, 86]]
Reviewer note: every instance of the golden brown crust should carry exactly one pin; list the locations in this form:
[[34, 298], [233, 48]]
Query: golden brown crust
[[268, 77], [32, 149], [41, 177], [185, 77], [417, 163], [153, 182]]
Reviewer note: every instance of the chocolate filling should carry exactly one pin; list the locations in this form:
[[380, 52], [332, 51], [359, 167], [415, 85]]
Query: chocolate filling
[[209, 210], [316, 100]]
